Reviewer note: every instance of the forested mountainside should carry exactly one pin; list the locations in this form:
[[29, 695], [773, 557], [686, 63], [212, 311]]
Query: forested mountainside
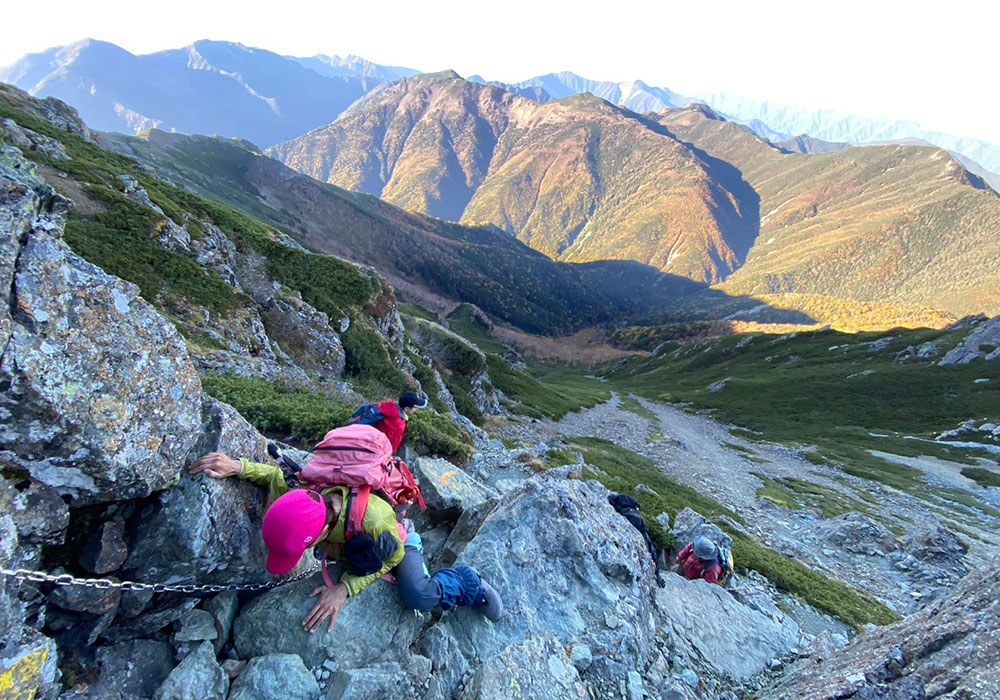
[[434, 261]]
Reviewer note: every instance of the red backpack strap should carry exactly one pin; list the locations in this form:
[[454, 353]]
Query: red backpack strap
[[356, 511], [412, 482]]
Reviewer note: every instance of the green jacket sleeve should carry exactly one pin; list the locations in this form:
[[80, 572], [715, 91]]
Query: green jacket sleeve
[[265, 475], [379, 518]]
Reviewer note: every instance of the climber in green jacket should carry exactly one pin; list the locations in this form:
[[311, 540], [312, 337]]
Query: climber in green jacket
[[299, 519]]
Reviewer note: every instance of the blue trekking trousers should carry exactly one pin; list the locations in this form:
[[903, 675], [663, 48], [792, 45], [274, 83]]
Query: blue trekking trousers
[[419, 590]]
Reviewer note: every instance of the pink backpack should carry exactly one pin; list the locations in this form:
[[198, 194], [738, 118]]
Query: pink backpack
[[360, 456]]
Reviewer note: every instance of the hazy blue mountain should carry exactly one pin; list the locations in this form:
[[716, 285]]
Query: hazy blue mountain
[[804, 143], [631, 94], [209, 87], [773, 121], [831, 125], [352, 66]]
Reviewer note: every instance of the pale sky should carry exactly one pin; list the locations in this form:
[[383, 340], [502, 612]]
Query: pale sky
[[930, 62]]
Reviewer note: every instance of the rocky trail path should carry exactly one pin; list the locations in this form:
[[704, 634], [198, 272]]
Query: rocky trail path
[[894, 549]]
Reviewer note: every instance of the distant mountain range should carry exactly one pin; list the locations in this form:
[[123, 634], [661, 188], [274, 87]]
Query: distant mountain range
[[577, 178], [233, 90], [209, 87]]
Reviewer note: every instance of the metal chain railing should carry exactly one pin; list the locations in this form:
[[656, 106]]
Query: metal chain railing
[[105, 583]]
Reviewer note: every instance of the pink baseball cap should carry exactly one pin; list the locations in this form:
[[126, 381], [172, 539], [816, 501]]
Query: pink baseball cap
[[291, 526]]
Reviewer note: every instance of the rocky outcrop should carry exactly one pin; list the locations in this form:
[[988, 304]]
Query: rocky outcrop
[[371, 628], [275, 676], [982, 343], [733, 640], [76, 330], [949, 649], [857, 533], [198, 677], [201, 529]]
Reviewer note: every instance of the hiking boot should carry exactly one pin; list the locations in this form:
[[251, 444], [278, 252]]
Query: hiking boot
[[492, 607]]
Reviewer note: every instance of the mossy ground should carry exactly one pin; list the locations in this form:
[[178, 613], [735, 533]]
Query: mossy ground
[[984, 477], [832, 390]]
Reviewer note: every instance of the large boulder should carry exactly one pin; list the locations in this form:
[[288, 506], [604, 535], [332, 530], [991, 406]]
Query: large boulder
[[371, 627], [543, 668], [198, 677], [858, 534], [688, 524], [100, 400], [949, 649], [449, 491], [732, 639], [982, 343], [567, 571], [205, 530], [275, 676]]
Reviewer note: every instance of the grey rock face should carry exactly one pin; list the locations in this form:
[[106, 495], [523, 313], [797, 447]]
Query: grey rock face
[[369, 684], [982, 343], [29, 668], [948, 649], [100, 400], [371, 625], [85, 599], [28, 140], [857, 533], [449, 491], [306, 334], [38, 514], [554, 551], [543, 671], [196, 626], [448, 664], [732, 639], [940, 552], [132, 669], [223, 609], [688, 524], [106, 549], [151, 621], [204, 530], [275, 676], [198, 677]]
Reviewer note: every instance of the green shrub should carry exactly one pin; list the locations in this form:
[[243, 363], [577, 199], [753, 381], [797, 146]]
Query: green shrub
[[367, 361], [439, 435], [984, 477], [120, 241], [290, 414]]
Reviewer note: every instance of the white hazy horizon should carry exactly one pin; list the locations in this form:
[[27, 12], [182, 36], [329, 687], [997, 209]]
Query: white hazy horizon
[[889, 59]]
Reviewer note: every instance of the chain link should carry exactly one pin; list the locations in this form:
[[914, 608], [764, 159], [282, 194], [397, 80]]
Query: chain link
[[105, 583]]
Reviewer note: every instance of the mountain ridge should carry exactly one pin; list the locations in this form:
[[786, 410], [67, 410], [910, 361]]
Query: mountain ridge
[[573, 178]]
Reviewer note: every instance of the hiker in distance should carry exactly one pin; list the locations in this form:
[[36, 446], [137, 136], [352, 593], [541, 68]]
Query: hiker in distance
[[390, 417], [628, 508], [702, 559], [367, 536]]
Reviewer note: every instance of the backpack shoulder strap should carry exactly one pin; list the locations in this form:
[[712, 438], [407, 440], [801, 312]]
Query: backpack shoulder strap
[[356, 507]]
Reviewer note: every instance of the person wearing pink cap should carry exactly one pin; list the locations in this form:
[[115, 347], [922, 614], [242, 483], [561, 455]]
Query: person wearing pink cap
[[300, 519]]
